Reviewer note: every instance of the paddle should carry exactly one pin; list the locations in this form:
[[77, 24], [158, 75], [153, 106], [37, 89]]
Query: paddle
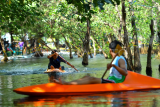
[[43, 43], [119, 51]]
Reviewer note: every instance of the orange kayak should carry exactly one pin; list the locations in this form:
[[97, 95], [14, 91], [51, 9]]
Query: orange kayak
[[133, 81], [53, 70]]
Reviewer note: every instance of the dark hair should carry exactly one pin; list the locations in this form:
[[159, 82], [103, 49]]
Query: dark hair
[[113, 44], [53, 51]]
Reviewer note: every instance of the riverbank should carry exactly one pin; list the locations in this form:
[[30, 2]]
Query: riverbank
[[45, 53]]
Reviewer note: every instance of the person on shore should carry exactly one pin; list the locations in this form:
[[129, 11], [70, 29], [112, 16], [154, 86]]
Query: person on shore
[[118, 70], [54, 63], [21, 43]]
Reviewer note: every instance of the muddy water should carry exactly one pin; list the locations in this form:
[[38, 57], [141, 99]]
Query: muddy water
[[30, 71]]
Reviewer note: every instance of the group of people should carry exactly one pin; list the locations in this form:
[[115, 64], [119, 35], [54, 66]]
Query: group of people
[[13, 47], [118, 69]]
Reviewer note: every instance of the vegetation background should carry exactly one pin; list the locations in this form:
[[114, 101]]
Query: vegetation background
[[86, 26]]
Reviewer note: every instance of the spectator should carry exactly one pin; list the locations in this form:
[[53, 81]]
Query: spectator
[[21, 43]]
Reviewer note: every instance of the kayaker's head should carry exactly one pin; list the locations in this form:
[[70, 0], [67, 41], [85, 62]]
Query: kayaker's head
[[55, 54], [53, 51], [113, 45]]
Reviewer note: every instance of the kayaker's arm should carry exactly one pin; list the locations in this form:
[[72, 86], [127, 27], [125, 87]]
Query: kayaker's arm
[[122, 68], [49, 56]]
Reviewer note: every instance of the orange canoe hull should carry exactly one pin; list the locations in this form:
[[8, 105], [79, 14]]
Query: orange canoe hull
[[53, 70], [133, 81]]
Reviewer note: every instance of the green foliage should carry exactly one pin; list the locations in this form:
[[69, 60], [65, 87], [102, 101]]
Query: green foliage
[[86, 8], [54, 19], [15, 13], [106, 49]]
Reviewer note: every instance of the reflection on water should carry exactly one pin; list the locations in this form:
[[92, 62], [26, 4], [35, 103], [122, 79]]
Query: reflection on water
[[30, 71], [114, 99]]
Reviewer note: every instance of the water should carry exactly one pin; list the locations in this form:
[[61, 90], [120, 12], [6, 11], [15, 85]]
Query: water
[[30, 71]]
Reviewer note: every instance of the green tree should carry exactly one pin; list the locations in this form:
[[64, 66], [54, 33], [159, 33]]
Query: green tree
[[15, 12], [85, 10]]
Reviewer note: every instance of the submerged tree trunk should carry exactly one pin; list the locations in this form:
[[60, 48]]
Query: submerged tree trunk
[[5, 59], [149, 68], [90, 53], [126, 41], [137, 62], [86, 45]]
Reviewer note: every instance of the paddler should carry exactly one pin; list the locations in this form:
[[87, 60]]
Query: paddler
[[118, 70], [54, 63]]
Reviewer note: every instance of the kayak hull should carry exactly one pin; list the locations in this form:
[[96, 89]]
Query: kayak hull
[[53, 70], [133, 81]]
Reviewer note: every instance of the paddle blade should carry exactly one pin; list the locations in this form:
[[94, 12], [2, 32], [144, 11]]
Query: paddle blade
[[119, 50]]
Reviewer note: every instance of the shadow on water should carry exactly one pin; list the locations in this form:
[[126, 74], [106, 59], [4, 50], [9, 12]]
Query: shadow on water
[[114, 99]]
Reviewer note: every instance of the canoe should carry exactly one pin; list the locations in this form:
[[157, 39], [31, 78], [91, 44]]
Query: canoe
[[133, 81]]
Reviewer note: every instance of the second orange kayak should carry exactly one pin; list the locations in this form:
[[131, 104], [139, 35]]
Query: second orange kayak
[[53, 70]]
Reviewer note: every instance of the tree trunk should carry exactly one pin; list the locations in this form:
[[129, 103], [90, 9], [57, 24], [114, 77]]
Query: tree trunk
[[94, 47], [73, 46], [57, 45], [86, 45], [126, 41], [105, 55], [149, 68], [111, 38], [11, 33], [159, 68], [158, 25], [5, 59], [120, 27], [70, 49], [90, 53], [137, 62], [158, 33]]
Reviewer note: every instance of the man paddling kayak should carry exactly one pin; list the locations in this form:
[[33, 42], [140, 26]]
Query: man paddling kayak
[[118, 70], [54, 63]]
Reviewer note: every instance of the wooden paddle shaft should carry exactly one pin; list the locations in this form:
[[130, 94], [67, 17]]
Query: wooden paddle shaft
[[108, 69]]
